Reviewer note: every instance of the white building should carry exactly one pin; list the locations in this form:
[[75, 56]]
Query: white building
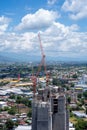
[[84, 78], [83, 87], [3, 104], [71, 126], [20, 127]]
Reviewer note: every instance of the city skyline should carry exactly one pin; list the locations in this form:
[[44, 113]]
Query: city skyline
[[61, 23]]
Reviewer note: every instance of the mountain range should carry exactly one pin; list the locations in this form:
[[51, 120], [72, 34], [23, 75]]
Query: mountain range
[[30, 58]]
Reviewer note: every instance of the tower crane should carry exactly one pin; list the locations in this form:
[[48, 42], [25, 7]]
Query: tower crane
[[18, 77], [42, 63]]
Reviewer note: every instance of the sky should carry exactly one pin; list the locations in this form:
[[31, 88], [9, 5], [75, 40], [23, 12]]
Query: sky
[[62, 25]]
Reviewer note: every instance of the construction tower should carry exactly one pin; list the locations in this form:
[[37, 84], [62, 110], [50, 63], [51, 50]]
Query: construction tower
[[49, 109]]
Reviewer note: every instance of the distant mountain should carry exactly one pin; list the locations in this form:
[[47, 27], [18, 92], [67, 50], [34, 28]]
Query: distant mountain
[[14, 57], [6, 59], [23, 57]]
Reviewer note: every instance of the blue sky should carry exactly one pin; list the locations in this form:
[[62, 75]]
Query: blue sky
[[61, 23]]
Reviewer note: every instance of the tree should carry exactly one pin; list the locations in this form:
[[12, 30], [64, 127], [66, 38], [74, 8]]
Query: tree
[[1, 127], [12, 111], [9, 124], [19, 99], [86, 111], [85, 94], [81, 125], [69, 100], [12, 96], [29, 103], [80, 95], [55, 81], [72, 85], [82, 101], [29, 113], [74, 76]]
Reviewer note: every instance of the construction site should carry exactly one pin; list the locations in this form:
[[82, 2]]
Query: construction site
[[49, 106], [49, 111]]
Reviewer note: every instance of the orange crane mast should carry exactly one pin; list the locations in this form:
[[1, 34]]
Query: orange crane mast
[[42, 63], [43, 57]]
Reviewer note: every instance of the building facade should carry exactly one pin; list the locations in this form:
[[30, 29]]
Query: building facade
[[51, 114]]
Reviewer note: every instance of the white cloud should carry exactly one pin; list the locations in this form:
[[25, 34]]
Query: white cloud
[[57, 39], [4, 19], [65, 41], [4, 22], [3, 28], [51, 2], [41, 19], [76, 8], [13, 42], [74, 27]]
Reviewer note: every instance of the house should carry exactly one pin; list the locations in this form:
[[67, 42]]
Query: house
[[3, 104], [21, 127]]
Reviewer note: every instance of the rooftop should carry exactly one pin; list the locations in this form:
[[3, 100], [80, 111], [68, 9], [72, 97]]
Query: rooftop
[[20, 127]]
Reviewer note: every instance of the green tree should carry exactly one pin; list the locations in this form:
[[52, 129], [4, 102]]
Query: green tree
[[55, 81], [9, 124], [12, 96], [74, 76], [85, 94], [1, 127], [86, 111], [82, 101], [29, 113], [80, 95], [19, 99], [69, 99], [72, 85], [29, 104], [12, 111], [81, 125]]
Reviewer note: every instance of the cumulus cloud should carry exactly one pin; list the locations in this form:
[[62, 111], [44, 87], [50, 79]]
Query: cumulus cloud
[[65, 40], [3, 28], [4, 19], [4, 22], [41, 19], [57, 39], [51, 2], [19, 43], [76, 8]]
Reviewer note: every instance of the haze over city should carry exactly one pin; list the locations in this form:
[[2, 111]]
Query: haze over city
[[61, 23]]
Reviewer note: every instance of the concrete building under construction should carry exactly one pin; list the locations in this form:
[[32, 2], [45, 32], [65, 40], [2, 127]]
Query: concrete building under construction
[[49, 110]]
